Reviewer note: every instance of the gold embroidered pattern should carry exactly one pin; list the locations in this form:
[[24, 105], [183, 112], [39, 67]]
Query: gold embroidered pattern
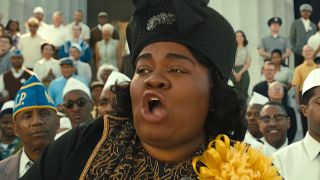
[[121, 156]]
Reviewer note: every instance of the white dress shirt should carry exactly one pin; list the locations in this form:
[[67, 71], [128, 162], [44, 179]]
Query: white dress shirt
[[24, 163], [85, 31], [56, 35], [253, 141], [314, 42], [42, 68], [269, 150], [84, 70], [306, 24], [300, 160], [42, 29], [30, 48], [15, 75]]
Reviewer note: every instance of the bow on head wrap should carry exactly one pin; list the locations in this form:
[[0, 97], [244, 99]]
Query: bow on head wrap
[[188, 22]]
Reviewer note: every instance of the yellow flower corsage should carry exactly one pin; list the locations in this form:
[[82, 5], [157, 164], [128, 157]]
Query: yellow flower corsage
[[222, 161]]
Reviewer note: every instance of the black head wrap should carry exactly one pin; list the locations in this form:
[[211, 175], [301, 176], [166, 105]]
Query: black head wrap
[[188, 22]]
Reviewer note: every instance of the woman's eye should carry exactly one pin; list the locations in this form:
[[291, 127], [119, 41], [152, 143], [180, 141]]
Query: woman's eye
[[175, 70], [142, 71]]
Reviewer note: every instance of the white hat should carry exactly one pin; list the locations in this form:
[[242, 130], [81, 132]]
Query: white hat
[[312, 80], [38, 10], [7, 105], [306, 7], [104, 67], [74, 45], [258, 99], [74, 84], [102, 13], [116, 77]]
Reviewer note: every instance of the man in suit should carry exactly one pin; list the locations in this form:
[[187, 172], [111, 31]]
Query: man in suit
[[301, 30], [35, 122]]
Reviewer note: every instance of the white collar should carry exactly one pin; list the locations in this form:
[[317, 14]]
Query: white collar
[[99, 27], [24, 159], [250, 136], [305, 21], [312, 146], [19, 71], [268, 149]]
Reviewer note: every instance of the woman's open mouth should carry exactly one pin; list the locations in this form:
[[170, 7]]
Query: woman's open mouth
[[154, 108]]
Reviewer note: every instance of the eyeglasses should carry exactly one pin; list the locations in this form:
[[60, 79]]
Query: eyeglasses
[[80, 103], [277, 118], [33, 26]]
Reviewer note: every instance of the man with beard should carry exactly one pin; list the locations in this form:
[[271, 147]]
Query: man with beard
[[35, 122], [77, 103], [11, 81]]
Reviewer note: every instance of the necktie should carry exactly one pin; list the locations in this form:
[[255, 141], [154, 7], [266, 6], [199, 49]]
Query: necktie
[[28, 165]]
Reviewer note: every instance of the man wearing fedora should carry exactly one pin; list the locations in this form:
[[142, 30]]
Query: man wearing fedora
[[300, 31]]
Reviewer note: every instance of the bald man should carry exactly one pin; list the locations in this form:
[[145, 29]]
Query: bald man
[[276, 93]]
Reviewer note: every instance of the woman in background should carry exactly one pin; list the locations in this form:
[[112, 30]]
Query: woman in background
[[241, 78], [13, 29], [108, 50]]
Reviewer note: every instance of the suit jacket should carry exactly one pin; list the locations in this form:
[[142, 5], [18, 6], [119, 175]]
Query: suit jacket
[[9, 168], [299, 36]]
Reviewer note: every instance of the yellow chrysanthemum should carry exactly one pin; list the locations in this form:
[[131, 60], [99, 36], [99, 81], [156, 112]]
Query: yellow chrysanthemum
[[221, 161]]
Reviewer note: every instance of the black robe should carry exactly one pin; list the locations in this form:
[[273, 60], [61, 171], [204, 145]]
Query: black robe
[[105, 149]]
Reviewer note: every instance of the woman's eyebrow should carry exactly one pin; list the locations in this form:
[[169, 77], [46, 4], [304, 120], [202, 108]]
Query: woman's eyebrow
[[179, 57], [144, 56]]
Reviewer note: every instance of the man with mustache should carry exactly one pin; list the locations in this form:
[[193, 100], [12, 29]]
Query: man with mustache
[[300, 160], [35, 122], [274, 124], [77, 103]]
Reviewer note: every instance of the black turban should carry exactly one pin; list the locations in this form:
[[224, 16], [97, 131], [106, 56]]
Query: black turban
[[188, 22]]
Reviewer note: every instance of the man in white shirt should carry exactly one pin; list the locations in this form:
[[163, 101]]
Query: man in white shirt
[[35, 122], [56, 32], [253, 135], [300, 31], [301, 160], [38, 13], [274, 124], [314, 42], [47, 68], [77, 19], [30, 44], [83, 69]]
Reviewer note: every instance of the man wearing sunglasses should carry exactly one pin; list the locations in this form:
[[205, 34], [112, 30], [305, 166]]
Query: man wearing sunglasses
[[77, 103], [274, 124]]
